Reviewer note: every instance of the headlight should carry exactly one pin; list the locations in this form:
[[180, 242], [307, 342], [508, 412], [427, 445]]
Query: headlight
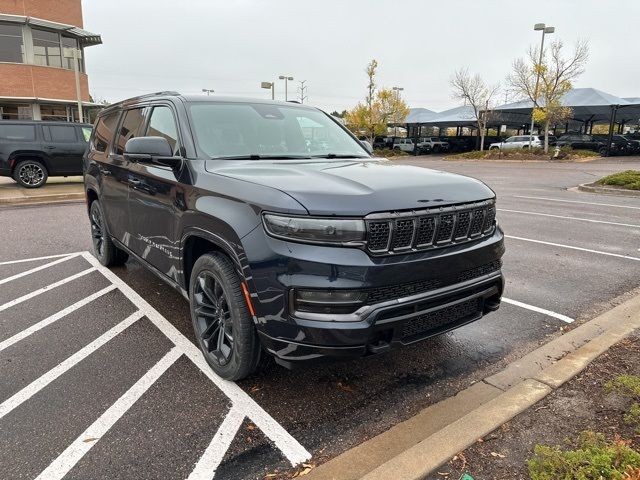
[[315, 230]]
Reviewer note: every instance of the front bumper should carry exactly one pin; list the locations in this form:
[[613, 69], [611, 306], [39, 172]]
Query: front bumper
[[457, 285]]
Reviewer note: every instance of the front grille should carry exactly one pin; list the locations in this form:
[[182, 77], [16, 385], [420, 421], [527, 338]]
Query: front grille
[[432, 228], [437, 321], [402, 290]]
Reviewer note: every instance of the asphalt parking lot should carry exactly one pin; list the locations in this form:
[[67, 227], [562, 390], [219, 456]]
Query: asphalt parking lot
[[100, 378]]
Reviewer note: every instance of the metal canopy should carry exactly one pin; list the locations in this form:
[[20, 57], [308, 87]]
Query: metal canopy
[[419, 115], [85, 38], [587, 104]]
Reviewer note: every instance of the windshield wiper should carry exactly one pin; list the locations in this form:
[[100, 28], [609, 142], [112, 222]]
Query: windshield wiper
[[337, 155], [256, 156]]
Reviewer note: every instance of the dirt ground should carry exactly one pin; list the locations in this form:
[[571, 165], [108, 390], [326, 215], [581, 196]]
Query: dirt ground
[[579, 405]]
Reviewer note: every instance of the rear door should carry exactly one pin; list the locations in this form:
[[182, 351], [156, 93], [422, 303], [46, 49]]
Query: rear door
[[63, 145], [155, 195]]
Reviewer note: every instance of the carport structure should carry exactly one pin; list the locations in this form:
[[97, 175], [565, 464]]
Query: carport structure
[[589, 106]]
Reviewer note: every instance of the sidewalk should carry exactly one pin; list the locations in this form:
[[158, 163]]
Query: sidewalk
[[57, 189], [418, 447]]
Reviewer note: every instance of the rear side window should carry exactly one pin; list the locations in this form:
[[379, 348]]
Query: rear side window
[[86, 133], [26, 133], [130, 128], [104, 131], [60, 133], [162, 124]]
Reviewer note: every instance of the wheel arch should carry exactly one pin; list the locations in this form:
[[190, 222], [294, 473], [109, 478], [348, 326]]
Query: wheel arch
[[18, 156]]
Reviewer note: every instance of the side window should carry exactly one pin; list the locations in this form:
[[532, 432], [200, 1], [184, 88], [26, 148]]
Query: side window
[[105, 129], [162, 124], [60, 134], [86, 133], [131, 127], [18, 132]]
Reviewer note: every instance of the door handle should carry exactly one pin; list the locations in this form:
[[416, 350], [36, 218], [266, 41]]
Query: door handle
[[135, 183], [49, 147], [104, 171]]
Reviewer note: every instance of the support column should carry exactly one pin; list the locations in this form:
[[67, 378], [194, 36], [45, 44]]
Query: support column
[[612, 121]]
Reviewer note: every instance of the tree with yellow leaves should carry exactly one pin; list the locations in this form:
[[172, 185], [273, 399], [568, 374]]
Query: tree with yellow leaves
[[556, 72]]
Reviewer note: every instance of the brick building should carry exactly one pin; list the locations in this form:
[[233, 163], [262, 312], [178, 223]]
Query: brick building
[[40, 42]]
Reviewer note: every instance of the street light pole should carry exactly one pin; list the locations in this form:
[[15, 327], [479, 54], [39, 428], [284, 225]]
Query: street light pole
[[395, 124], [286, 79], [208, 91], [545, 30], [270, 85]]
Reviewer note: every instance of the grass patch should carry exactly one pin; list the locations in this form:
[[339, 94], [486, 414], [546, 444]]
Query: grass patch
[[628, 386], [387, 153], [629, 179], [525, 154], [592, 458]]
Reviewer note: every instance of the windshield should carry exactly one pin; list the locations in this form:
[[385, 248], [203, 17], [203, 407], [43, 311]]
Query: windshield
[[256, 131]]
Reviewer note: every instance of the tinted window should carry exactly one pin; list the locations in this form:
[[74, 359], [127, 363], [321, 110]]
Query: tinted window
[[18, 132], [11, 47], [62, 133], [104, 131], [162, 124], [130, 128]]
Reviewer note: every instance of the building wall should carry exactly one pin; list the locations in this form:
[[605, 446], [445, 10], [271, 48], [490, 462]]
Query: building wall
[[61, 11], [20, 80]]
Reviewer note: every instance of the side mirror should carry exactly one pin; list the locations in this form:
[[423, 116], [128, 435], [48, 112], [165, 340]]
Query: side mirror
[[367, 146], [153, 150]]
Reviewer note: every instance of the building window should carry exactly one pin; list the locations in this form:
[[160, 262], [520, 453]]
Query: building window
[[17, 111], [55, 50], [11, 45], [54, 112]]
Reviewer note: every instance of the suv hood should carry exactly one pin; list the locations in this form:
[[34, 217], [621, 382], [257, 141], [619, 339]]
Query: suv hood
[[355, 187]]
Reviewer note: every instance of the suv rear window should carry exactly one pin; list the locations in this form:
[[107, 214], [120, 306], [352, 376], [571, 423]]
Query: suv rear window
[[18, 132], [60, 133]]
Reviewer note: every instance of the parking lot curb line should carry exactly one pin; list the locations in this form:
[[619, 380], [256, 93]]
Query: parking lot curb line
[[55, 197], [590, 188], [512, 390], [429, 454]]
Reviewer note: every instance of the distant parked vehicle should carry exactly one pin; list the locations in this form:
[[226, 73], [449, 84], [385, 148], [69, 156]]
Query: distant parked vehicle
[[381, 143], [404, 144], [522, 141], [434, 144], [631, 145], [588, 142], [31, 151]]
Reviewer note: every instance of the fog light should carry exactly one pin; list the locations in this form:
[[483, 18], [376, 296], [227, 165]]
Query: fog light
[[328, 301]]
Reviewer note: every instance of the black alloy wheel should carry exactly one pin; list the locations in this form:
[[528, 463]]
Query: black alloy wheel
[[213, 318], [103, 247], [30, 174]]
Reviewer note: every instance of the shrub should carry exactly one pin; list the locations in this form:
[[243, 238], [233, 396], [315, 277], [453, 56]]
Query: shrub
[[629, 179], [594, 458], [628, 386], [387, 152]]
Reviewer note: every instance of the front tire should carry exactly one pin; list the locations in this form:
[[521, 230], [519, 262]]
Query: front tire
[[221, 320], [30, 174], [103, 247]]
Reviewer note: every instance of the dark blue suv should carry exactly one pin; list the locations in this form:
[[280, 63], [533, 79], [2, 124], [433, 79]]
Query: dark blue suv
[[284, 233]]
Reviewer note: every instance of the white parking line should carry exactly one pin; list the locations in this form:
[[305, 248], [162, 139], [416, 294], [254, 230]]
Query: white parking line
[[618, 255], [37, 269], [569, 218], [210, 460], [53, 318], [35, 259], [87, 439], [576, 201], [41, 382], [45, 289], [549, 313], [289, 446]]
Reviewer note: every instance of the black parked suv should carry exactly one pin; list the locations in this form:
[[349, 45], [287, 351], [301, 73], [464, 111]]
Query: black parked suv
[[588, 142], [32, 151], [301, 250]]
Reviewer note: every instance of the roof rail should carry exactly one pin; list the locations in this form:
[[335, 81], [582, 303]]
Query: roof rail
[[145, 96]]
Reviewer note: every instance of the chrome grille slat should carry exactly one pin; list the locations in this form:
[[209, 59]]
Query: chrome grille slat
[[398, 232]]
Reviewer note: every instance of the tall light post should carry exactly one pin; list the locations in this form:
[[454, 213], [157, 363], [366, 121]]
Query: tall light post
[[208, 91], [270, 85], [286, 79], [395, 124], [545, 30]]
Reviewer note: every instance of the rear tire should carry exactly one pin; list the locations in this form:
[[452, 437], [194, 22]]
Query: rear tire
[[603, 152], [103, 247], [30, 174], [221, 320]]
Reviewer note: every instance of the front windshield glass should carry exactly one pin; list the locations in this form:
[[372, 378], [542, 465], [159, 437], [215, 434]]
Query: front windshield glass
[[241, 130]]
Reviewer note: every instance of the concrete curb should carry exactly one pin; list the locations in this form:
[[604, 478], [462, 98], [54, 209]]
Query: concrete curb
[[40, 199], [589, 187], [415, 448]]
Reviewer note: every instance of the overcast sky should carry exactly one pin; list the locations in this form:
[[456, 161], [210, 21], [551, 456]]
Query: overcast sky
[[233, 45]]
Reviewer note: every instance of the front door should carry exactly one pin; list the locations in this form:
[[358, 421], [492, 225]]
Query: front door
[[64, 148], [154, 199]]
